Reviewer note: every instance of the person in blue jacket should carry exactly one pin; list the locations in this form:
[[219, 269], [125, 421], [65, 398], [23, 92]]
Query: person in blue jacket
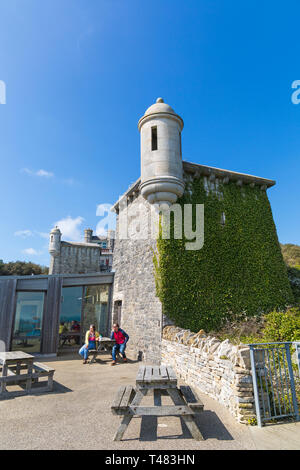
[[121, 339]]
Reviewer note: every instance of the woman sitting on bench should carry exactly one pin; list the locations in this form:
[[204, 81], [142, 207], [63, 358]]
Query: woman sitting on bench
[[90, 342]]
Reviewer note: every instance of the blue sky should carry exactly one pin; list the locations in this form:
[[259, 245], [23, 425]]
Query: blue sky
[[80, 73]]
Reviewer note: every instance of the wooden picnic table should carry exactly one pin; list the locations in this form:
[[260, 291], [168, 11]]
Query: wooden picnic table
[[105, 344], [13, 362], [17, 358], [161, 380], [68, 335]]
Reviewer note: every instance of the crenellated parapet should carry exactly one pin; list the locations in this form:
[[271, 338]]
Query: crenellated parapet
[[212, 178]]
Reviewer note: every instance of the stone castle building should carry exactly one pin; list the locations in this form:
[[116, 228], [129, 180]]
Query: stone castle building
[[93, 255], [166, 180]]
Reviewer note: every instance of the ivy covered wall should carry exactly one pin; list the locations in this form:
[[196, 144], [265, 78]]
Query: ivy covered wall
[[239, 271]]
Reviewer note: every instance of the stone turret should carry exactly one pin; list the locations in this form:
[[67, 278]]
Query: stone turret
[[54, 243], [110, 239], [88, 233], [161, 159]]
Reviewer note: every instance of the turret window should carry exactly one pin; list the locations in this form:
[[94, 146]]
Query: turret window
[[154, 138]]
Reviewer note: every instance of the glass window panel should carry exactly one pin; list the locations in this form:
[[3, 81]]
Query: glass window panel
[[95, 308], [28, 322], [70, 317]]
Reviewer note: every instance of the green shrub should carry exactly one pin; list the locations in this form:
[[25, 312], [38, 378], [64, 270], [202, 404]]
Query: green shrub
[[282, 326], [252, 421]]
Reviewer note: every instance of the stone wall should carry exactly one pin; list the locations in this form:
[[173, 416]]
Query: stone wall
[[219, 369], [134, 282], [76, 258], [134, 285]]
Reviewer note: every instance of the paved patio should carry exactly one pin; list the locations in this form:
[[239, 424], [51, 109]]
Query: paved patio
[[76, 415]]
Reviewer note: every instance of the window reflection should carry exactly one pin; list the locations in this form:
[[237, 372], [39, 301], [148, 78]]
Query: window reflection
[[70, 317], [95, 308], [28, 322]]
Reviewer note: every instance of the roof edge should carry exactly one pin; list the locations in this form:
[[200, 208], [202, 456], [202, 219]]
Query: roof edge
[[212, 172]]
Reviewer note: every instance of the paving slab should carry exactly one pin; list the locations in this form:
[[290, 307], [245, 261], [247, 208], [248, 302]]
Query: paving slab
[[276, 436], [77, 415]]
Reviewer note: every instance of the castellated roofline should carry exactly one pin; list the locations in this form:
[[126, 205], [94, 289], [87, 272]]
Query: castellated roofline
[[81, 244], [203, 170]]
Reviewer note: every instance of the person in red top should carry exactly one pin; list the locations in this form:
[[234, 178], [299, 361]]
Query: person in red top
[[121, 339]]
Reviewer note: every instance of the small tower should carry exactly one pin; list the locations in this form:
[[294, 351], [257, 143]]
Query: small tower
[[110, 239], [161, 159], [88, 233], [54, 243], [54, 250]]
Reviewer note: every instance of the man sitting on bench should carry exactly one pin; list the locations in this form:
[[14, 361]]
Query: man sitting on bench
[[121, 339]]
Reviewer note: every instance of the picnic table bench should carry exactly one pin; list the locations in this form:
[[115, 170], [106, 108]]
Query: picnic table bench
[[161, 380], [14, 362], [105, 344], [68, 336]]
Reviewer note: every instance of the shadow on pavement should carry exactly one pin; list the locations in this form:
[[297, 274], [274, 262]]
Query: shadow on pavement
[[208, 422], [212, 427], [58, 388]]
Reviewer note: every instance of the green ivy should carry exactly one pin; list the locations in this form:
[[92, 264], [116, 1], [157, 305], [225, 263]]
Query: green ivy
[[239, 271], [294, 278]]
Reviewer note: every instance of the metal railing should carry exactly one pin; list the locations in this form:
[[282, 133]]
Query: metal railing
[[275, 392]]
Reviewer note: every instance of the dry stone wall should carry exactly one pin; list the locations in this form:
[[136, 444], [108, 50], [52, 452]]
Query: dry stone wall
[[219, 369]]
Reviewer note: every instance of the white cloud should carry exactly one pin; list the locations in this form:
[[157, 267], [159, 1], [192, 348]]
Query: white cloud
[[43, 234], [31, 251], [41, 172], [26, 170], [47, 174], [23, 233], [70, 228], [69, 181], [31, 233]]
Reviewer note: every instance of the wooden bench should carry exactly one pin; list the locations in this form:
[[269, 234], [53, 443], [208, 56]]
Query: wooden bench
[[157, 380], [105, 345], [120, 406], [42, 370], [39, 370], [122, 399], [190, 396]]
